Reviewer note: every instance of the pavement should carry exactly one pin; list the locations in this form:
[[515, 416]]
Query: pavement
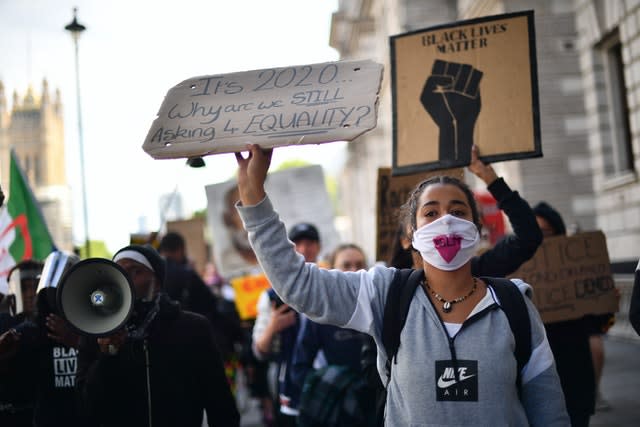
[[251, 416], [620, 386]]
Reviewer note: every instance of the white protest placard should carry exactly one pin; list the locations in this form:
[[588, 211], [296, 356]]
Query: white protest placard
[[306, 104], [300, 195]]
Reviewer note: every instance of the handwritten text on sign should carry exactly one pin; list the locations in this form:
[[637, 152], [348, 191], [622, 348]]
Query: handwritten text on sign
[[571, 277], [307, 104]]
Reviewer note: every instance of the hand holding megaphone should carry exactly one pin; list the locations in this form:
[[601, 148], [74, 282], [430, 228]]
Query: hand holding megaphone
[[58, 329], [111, 344]]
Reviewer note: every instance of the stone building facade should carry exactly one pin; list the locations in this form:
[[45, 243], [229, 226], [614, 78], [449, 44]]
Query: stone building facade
[[34, 127], [588, 54]]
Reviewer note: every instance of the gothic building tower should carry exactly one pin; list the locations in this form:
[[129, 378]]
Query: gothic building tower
[[34, 128]]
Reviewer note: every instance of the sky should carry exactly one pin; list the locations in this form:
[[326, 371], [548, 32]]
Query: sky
[[131, 54]]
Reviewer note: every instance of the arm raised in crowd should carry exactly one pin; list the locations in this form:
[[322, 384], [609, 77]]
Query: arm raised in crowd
[[514, 249], [325, 296], [252, 173]]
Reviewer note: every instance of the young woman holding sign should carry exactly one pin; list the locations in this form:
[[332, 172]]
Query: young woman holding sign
[[456, 363]]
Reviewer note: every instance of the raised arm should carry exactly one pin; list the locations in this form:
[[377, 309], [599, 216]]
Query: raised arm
[[326, 296], [252, 173], [480, 169], [514, 249]]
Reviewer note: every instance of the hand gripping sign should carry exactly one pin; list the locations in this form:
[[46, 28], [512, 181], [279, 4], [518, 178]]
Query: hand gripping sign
[[307, 104]]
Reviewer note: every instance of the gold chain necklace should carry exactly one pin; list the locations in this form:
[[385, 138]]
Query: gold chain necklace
[[447, 306]]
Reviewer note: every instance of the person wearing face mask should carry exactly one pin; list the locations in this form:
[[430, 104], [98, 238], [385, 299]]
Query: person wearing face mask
[[509, 253], [456, 364], [162, 369], [505, 257]]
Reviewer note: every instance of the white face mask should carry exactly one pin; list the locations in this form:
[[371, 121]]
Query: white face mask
[[447, 243]]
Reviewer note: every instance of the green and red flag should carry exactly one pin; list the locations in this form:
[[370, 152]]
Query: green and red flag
[[23, 230]]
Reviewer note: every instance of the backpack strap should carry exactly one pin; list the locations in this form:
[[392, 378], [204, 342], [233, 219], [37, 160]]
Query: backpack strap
[[514, 307], [396, 307]]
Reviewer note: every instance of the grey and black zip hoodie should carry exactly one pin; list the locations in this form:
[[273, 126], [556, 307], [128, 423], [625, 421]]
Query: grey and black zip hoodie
[[441, 378]]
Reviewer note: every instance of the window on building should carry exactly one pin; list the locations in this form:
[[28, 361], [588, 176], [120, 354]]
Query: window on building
[[616, 143]]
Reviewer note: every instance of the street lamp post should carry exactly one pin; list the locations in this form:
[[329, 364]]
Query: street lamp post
[[76, 29]]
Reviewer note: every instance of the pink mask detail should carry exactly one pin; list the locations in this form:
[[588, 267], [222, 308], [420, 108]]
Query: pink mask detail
[[447, 245]]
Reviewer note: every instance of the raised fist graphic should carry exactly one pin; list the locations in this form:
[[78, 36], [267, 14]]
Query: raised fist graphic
[[451, 96]]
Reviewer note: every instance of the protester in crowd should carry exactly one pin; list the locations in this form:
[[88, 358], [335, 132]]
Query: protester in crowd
[[599, 325], [509, 253], [596, 326], [18, 333], [402, 254], [184, 284], [340, 347], [634, 306], [569, 340], [21, 300], [505, 257], [256, 373], [276, 329], [40, 353], [163, 368], [514, 249], [454, 325]]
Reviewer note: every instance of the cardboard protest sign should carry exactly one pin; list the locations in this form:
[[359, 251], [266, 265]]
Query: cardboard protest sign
[[393, 192], [247, 291], [465, 82], [150, 238], [307, 104], [300, 196], [571, 277]]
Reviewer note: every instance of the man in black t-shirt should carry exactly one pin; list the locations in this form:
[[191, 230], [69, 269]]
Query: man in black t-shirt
[[39, 357]]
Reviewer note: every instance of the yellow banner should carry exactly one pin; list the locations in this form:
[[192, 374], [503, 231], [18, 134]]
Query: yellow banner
[[248, 290]]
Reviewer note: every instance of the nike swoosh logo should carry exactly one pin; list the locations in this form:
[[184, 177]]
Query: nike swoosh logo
[[442, 383]]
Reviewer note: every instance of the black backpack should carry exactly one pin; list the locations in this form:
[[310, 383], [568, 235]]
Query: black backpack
[[396, 308], [336, 396]]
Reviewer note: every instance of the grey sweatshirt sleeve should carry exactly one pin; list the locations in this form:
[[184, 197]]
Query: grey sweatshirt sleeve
[[353, 299]]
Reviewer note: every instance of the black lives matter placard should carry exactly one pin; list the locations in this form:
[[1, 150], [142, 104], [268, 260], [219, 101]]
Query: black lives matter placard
[[462, 83], [307, 104], [571, 277]]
